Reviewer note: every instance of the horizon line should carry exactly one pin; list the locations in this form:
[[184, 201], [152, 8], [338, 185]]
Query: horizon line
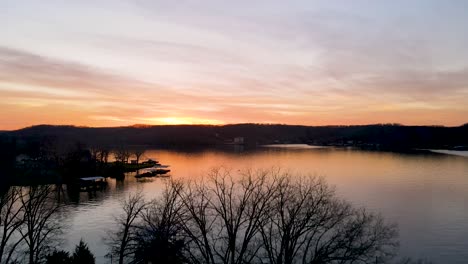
[[229, 124]]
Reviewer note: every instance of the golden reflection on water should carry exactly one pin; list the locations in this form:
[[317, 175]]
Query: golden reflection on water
[[426, 194], [352, 172]]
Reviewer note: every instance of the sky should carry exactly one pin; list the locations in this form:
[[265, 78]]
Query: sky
[[125, 62]]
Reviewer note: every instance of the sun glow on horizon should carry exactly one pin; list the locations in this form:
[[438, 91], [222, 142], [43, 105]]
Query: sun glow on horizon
[[180, 121], [90, 63]]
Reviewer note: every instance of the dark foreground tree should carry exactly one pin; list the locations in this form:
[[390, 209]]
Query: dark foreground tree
[[259, 217], [159, 238], [11, 220], [41, 226], [123, 241], [222, 216], [138, 153], [59, 257], [82, 254], [309, 224]]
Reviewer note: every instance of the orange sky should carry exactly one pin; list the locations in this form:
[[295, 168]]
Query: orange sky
[[310, 63]]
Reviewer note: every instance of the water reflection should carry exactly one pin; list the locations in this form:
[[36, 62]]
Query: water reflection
[[427, 194]]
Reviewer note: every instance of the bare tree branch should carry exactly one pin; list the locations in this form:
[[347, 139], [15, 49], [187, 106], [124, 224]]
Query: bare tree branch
[[123, 242], [255, 217], [11, 219], [40, 227]]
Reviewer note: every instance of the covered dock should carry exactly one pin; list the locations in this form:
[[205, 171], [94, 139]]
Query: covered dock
[[92, 183]]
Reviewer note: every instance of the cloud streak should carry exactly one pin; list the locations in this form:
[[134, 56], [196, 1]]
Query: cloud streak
[[307, 63]]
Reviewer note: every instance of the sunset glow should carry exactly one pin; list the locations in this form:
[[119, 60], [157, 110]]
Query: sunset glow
[[179, 120], [116, 63]]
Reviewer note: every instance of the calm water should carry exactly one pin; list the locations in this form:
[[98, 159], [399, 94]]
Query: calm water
[[426, 194]]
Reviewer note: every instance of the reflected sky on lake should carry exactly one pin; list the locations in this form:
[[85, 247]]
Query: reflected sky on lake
[[426, 194]]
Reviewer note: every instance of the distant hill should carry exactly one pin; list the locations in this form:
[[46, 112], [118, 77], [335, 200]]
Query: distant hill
[[384, 136]]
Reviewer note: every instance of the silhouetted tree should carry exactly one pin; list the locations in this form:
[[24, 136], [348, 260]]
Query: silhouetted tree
[[224, 215], [123, 241], [95, 152], [122, 154], [11, 220], [59, 257], [99, 153], [40, 228], [255, 217], [272, 217], [138, 153], [104, 155], [308, 224], [161, 239], [82, 254]]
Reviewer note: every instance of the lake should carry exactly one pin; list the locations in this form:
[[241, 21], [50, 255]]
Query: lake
[[426, 194]]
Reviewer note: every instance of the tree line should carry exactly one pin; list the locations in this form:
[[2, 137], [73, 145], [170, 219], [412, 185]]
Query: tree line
[[52, 160], [387, 136]]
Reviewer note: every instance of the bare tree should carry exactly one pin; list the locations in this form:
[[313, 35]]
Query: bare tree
[[99, 153], [104, 155], [95, 152], [242, 207], [41, 226], [224, 215], [123, 242], [197, 222], [161, 237], [266, 217], [11, 219], [122, 154], [308, 224], [138, 153]]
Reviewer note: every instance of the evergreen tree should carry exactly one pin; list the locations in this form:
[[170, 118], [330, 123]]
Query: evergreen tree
[[82, 254]]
